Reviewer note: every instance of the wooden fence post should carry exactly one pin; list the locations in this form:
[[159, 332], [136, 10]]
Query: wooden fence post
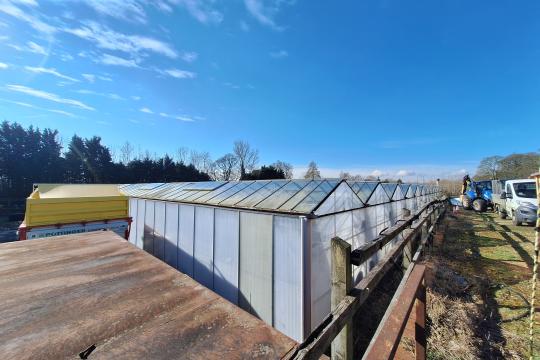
[[408, 249], [420, 326], [342, 346]]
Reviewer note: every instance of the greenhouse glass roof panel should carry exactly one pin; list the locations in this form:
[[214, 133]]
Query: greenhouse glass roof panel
[[300, 195], [261, 194], [244, 193], [282, 195], [316, 197]]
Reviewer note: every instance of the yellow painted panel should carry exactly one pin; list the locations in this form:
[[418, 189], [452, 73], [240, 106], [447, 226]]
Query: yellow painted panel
[[76, 206]]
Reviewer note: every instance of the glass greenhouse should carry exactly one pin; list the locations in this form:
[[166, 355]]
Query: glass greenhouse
[[265, 245]]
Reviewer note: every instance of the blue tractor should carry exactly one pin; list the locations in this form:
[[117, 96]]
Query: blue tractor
[[478, 196]]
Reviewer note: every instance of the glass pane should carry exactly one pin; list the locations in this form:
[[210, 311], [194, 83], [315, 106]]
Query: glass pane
[[300, 195], [261, 194], [274, 201], [389, 188], [173, 191], [230, 192], [312, 200], [244, 193], [219, 190], [161, 190], [366, 190], [205, 185], [404, 189], [195, 195]]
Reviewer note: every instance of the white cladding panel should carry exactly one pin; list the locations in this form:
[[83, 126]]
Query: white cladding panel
[[185, 239], [226, 253], [141, 211], [256, 264], [322, 230], [133, 214], [159, 230], [288, 292], [171, 234], [148, 240], [204, 246]]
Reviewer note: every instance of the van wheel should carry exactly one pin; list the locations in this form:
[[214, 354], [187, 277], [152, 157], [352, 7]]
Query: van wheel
[[502, 213], [479, 205], [515, 220]]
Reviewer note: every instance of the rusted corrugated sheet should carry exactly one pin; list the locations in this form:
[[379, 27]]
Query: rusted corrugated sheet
[[62, 295]]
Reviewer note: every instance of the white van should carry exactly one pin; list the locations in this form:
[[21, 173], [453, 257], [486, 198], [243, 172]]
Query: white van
[[519, 201]]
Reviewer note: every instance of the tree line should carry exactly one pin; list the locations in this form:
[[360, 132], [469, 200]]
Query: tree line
[[30, 155], [513, 166]]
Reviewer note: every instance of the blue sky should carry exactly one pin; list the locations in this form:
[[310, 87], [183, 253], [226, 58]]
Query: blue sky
[[417, 88]]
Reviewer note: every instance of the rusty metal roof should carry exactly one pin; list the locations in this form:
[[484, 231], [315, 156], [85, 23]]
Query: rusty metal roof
[[62, 295]]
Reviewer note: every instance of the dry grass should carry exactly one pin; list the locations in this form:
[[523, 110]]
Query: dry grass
[[452, 328], [475, 277]]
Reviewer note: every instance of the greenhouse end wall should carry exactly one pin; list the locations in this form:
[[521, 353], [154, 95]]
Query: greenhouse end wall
[[253, 259]]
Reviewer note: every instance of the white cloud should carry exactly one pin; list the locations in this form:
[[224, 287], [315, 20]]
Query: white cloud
[[376, 173], [179, 74], [104, 78], [47, 96], [202, 10], [163, 6], [66, 57], [51, 71], [107, 59], [106, 38], [35, 48], [89, 77], [136, 98], [4, 37], [405, 173], [189, 56], [107, 95], [280, 54], [264, 12], [3, 65], [130, 10], [185, 118], [20, 103], [9, 8], [62, 112], [244, 26]]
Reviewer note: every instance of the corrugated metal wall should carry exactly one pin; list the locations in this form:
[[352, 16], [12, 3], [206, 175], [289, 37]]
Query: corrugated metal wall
[[252, 259]]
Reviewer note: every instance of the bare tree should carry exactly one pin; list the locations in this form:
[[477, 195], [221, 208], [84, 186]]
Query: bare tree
[[224, 167], [489, 168], [126, 152], [286, 168], [312, 171], [345, 175], [247, 157], [201, 161], [182, 155]]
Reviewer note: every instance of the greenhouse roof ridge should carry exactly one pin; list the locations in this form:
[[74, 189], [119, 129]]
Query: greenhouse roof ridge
[[290, 196]]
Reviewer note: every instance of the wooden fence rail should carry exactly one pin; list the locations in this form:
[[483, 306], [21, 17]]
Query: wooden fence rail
[[336, 329]]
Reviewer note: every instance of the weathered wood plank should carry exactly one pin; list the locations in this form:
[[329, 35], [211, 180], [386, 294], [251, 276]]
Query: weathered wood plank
[[64, 294]]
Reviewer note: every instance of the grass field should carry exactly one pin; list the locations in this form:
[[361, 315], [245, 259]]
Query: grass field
[[479, 287]]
